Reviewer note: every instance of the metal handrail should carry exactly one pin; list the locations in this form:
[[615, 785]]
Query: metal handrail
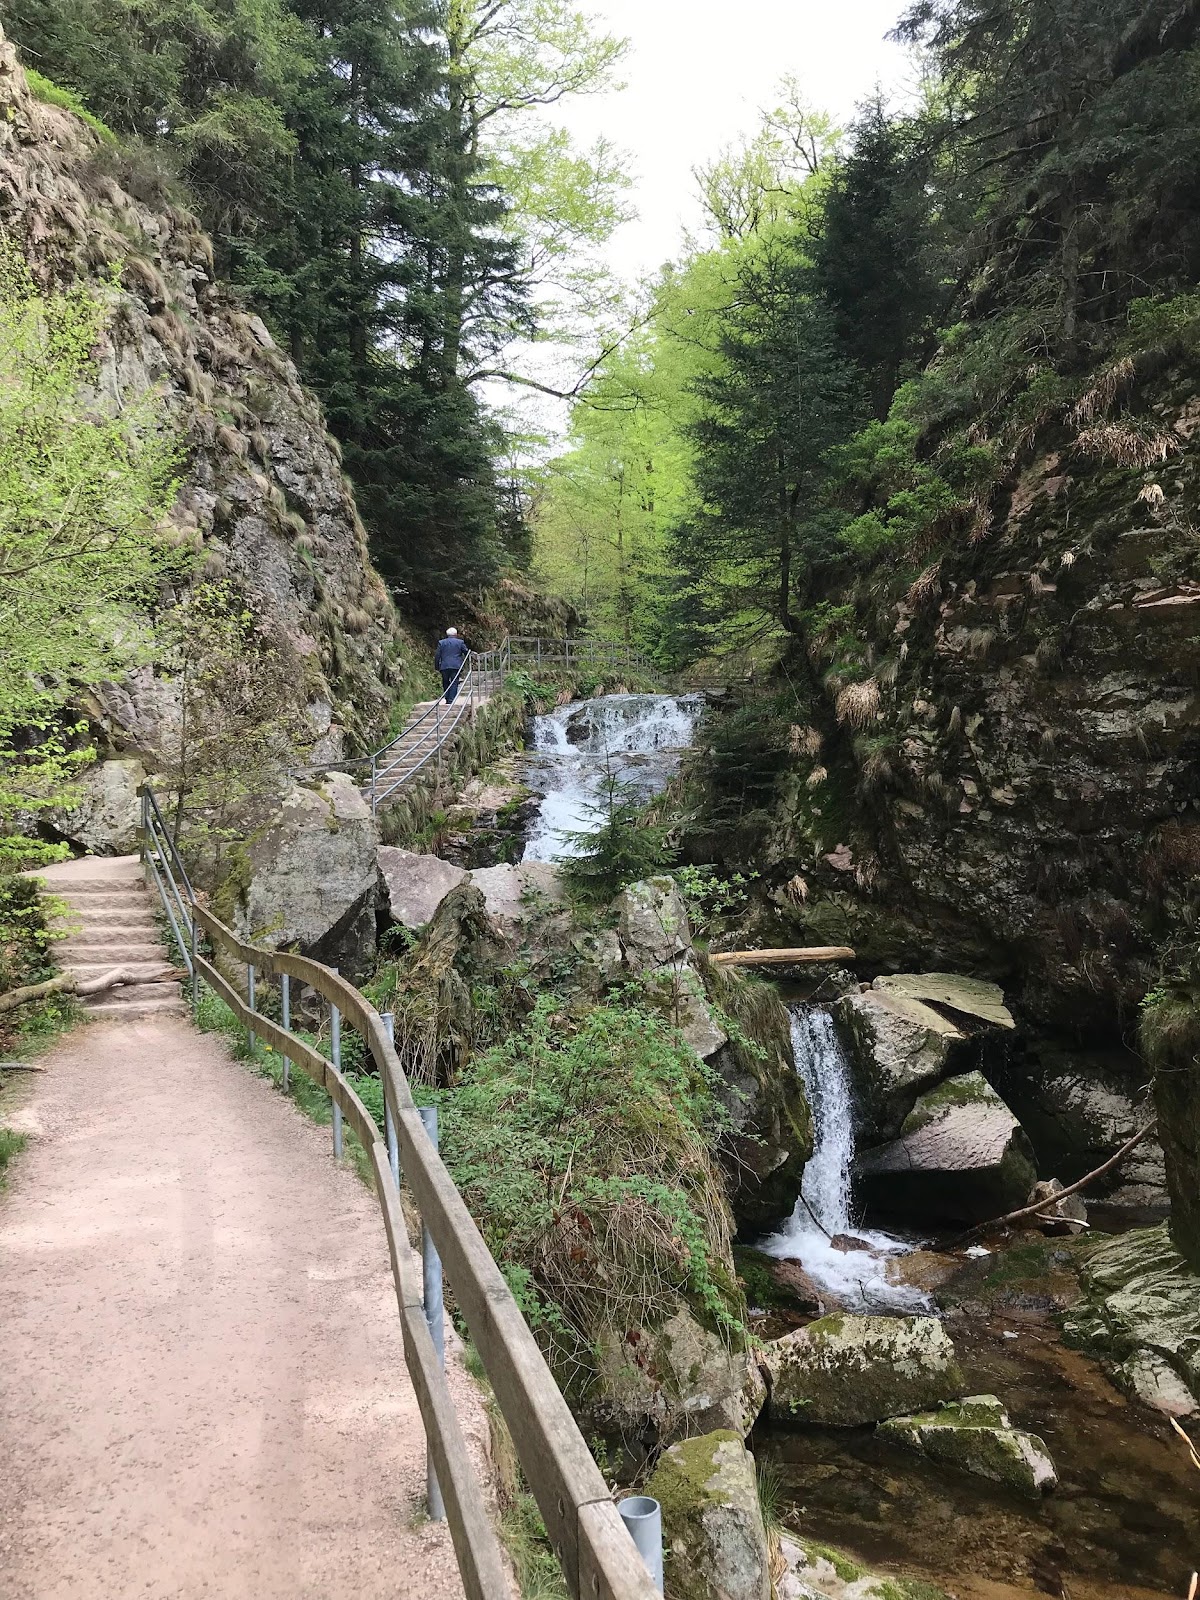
[[591, 1543]]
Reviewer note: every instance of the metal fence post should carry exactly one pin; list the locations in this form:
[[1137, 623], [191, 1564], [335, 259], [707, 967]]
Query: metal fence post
[[250, 1003], [431, 1274], [195, 973], [389, 1121], [335, 1055], [643, 1517], [285, 1000]]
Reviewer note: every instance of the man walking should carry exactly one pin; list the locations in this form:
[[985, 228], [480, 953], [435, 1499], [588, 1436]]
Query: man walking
[[452, 652]]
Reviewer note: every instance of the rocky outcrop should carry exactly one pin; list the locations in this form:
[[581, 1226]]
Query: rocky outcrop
[[652, 924], [818, 1572], [309, 878], [976, 1436], [1140, 1311], [516, 895], [844, 1371], [677, 1378], [414, 886], [107, 814], [262, 500], [713, 1536], [1078, 1106], [961, 1157]]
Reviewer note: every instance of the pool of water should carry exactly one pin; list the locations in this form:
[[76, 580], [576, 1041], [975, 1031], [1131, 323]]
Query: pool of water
[[1124, 1523]]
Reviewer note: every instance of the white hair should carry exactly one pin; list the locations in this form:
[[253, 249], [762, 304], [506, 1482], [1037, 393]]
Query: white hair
[[452, 633]]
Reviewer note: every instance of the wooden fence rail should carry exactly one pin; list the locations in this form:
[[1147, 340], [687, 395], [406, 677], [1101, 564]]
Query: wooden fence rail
[[593, 1548]]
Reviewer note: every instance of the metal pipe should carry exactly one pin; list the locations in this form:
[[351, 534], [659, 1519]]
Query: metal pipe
[[335, 1055], [285, 1000], [431, 1276], [250, 1003], [643, 1517], [195, 971], [389, 1120]]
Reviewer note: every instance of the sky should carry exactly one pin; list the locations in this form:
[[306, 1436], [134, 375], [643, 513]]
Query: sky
[[698, 72]]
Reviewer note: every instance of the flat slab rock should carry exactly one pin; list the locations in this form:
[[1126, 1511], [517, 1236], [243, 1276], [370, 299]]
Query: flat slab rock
[[515, 894], [969, 996], [976, 1436], [844, 1371]]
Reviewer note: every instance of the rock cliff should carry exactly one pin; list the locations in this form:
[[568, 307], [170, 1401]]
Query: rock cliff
[[262, 499]]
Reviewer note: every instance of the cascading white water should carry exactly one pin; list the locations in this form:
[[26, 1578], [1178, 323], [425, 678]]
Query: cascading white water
[[640, 736], [856, 1276]]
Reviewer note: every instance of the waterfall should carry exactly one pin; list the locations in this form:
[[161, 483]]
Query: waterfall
[[854, 1276], [640, 736]]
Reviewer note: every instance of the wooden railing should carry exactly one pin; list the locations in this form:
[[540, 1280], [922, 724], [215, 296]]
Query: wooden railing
[[595, 1552]]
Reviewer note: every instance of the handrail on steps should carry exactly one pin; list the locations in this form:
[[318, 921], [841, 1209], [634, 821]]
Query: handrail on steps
[[594, 1550]]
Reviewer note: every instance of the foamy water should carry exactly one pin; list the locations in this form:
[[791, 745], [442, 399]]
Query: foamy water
[[857, 1278]]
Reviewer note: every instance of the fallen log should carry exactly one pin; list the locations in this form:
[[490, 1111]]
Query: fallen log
[[68, 983], [1045, 1208], [780, 958]]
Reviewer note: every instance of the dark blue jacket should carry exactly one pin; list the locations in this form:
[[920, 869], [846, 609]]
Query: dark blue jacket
[[451, 653]]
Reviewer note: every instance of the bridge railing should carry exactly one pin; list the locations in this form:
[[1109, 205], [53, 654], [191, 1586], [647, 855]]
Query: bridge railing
[[597, 1557], [530, 651]]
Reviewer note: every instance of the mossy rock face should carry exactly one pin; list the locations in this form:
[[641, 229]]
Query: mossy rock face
[[714, 1541], [976, 1436], [845, 1371], [1141, 1309], [820, 1570]]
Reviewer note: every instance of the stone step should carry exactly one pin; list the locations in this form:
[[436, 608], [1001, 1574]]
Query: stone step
[[132, 914], [90, 959], [127, 1010], [123, 900], [130, 993], [142, 930]]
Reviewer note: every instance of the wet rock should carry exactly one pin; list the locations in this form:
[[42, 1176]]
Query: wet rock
[[309, 877], [961, 1157], [1058, 1216], [1150, 1378], [976, 1436], [844, 1371], [107, 815], [678, 1378], [897, 1048], [516, 895], [652, 923], [715, 1544], [774, 1282], [415, 885], [1141, 1304]]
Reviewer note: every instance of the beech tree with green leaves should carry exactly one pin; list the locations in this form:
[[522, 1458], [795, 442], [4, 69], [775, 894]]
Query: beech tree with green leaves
[[81, 494]]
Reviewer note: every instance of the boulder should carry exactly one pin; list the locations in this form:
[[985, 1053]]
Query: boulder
[[309, 877], [897, 1047], [108, 811], [678, 1378], [1151, 1379], [1140, 1309], [714, 1541], [976, 1436], [844, 1371], [1058, 1216], [414, 886], [515, 895], [961, 1157], [678, 989], [814, 1571], [652, 924]]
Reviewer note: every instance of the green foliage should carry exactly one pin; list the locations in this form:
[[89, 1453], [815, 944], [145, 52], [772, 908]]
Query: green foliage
[[52, 94], [709, 898], [622, 848], [582, 1148], [539, 1576], [80, 494], [11, 1144]]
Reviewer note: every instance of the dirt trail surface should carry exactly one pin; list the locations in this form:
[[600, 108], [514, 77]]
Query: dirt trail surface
[[202, 1382]]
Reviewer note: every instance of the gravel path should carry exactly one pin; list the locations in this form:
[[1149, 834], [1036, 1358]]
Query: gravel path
[[202, 1383]]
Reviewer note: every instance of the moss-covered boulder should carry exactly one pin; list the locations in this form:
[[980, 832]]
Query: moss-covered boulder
[[814, 1571], [845, 1371], [1140, 1310], [961, 1157], [674, 1379], [976, 1436], [713, 1536]]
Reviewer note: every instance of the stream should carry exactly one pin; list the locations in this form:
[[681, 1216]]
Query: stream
[[1124, 1522]]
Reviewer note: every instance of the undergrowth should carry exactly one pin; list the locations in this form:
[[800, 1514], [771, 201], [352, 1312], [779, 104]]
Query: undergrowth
[[11, 1144]]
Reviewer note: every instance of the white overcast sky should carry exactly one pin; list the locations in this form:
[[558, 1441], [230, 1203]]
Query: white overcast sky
[[696, 75]]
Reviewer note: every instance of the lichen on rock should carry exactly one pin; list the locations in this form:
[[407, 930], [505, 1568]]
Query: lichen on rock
[[714, 1540], [844, 1371], [976, 1436]]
